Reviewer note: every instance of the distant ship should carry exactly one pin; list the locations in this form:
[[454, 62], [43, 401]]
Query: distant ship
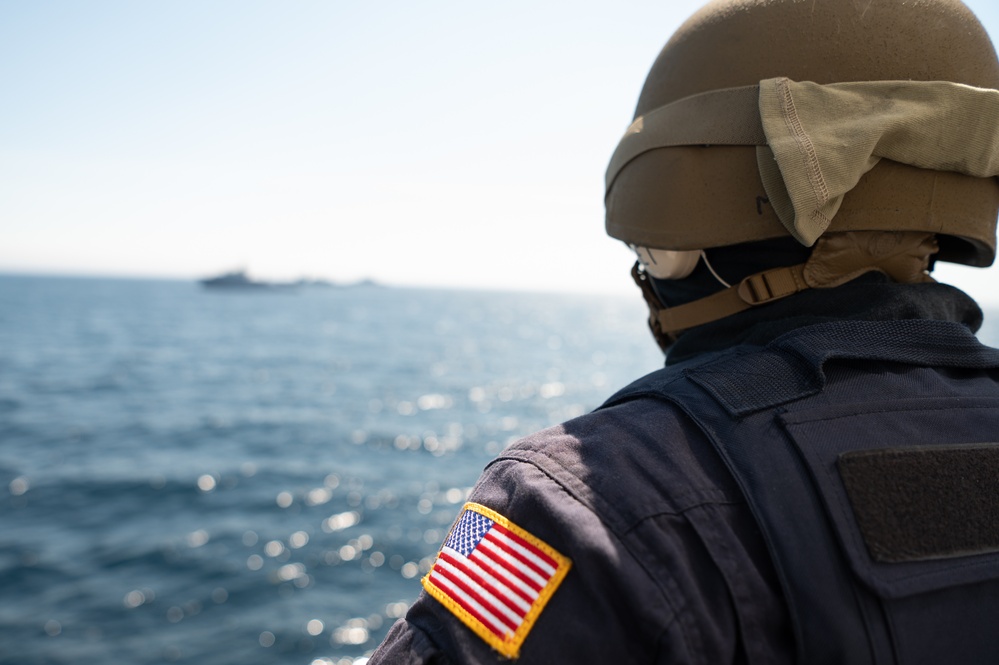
[[237, 279]]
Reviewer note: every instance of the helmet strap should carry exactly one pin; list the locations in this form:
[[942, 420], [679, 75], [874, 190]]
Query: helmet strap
[[836, 259], [663, 339]]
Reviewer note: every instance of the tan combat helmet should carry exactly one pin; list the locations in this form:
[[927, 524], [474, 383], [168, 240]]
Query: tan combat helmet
[[833, 122]]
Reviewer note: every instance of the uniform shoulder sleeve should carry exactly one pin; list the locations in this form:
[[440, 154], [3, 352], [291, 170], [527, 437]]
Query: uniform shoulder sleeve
[[531, 570], [406, 644]]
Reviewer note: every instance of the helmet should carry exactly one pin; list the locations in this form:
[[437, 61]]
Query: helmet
[[695, 196]]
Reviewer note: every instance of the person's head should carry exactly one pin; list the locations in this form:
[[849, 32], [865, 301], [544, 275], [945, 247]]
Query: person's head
[[701, 183]]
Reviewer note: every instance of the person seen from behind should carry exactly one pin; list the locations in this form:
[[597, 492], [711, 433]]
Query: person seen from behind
[[811, 478]]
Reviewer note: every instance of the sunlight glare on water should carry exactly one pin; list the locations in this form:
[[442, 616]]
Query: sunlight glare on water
[[232, 478]]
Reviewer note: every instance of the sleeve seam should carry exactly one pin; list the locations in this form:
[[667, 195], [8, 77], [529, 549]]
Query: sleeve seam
[[665, 594]]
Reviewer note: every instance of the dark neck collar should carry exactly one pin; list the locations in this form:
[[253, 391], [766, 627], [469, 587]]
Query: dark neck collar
[[871, 297]]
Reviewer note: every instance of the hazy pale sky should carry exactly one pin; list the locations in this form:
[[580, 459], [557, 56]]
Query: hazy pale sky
[[436, 143]]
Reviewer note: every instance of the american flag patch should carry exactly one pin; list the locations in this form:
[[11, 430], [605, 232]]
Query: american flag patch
[[495, 577]]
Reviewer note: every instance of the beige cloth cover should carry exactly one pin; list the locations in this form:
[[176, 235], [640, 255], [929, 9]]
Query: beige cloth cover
[[823, 138], [818, 140]]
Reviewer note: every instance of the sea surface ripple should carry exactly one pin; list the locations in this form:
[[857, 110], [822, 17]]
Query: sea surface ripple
[[226, 477]]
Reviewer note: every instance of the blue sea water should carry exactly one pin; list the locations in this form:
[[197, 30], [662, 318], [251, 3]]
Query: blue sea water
[[230, 477]]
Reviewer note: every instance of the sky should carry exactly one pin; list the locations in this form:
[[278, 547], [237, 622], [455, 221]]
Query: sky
[[453, 144]]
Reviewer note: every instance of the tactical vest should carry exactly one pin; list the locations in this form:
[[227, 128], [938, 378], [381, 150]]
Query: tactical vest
[[869, 455]]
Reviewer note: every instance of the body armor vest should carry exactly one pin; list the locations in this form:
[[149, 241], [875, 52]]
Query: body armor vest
[[869, 455]]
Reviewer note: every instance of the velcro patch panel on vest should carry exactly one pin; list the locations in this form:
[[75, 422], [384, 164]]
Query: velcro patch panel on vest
[[925, 502], [495, 577]]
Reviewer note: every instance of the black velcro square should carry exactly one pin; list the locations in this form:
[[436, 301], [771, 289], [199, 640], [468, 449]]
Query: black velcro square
[[925, 502]]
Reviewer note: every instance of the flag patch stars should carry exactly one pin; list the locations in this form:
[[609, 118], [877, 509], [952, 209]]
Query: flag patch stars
[[495, 577]]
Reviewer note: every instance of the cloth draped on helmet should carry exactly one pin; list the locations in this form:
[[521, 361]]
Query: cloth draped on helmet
[[814, 142]]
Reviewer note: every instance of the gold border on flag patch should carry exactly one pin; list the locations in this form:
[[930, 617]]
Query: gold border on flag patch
[[495, 577]]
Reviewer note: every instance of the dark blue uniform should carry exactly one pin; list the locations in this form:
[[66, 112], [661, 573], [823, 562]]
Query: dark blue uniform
[[763, 504]]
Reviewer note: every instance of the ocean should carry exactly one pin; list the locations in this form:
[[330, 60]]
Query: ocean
[[217, 477]]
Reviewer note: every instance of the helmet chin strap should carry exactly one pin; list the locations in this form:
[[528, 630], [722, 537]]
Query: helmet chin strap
[[837, 258]]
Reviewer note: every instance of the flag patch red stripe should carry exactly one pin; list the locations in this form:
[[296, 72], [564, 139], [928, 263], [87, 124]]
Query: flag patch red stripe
[[504, 565], [529, 547], [476, 577], [485, 565], [468, 607], [477, 597], [527, 564]]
